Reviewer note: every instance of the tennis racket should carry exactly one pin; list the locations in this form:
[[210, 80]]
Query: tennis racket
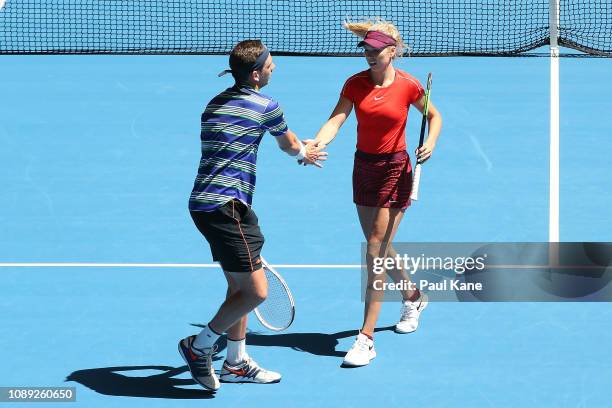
[[278, 310], [416, 178]]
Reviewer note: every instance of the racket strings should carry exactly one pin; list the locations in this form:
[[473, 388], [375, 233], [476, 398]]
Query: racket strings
[[277, 309]]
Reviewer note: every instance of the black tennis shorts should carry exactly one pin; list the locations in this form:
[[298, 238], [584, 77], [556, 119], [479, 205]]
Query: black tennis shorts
[[233, 234]]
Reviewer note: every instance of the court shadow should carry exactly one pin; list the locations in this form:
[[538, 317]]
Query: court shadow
[[319, 344], [113, 381]]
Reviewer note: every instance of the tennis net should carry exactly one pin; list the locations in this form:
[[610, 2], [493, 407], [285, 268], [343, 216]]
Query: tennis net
[[308, 27]]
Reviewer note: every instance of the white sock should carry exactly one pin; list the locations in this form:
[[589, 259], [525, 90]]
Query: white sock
[[236, 351], [206, 339]]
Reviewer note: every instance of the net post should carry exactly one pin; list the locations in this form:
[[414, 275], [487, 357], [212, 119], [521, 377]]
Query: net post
[[553, 24], [554, 178]]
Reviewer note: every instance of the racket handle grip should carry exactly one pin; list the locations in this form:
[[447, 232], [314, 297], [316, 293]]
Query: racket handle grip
[[416, 180]]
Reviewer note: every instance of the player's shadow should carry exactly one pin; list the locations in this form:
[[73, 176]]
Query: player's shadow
[[114, 381], [319, 344], [126, 381]]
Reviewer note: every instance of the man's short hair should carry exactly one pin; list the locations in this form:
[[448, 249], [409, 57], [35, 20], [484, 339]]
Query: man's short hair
[[242, 58]]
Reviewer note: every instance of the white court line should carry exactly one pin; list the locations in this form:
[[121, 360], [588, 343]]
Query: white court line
[[284, 266], [153, 265]]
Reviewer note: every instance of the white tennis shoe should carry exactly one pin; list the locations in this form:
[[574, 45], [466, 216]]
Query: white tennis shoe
[[409, 319], [360, 353], [248, 372]]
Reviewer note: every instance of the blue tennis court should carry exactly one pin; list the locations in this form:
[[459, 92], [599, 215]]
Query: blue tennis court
[[98, 157]]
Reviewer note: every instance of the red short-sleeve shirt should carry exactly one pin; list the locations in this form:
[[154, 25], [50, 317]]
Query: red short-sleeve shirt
[[382, 113]]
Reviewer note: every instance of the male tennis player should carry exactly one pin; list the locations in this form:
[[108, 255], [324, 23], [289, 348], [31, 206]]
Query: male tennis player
[[233, 125], [382, 173]]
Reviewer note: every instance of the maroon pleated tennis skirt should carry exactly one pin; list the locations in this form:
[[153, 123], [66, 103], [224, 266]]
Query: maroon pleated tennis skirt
[[382, 180]]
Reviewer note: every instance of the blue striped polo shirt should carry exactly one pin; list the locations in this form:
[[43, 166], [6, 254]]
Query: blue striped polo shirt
[[233, 125]]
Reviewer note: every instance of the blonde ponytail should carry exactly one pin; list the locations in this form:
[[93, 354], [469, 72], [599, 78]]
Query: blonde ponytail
[[361, 28]]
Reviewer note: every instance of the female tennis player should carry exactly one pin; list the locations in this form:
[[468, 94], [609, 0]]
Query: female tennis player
[[382, 172], [233, 125]]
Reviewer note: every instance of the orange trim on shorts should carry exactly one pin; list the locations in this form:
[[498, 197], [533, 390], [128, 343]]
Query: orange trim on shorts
[[243, 238]]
